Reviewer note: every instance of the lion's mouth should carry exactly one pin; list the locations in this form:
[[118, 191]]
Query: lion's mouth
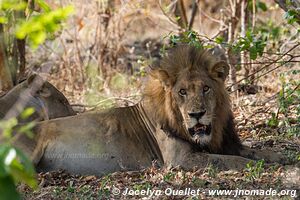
[[200, 129]]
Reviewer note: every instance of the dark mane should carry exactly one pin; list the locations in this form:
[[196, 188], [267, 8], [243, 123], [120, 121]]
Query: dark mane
[[164, 110]]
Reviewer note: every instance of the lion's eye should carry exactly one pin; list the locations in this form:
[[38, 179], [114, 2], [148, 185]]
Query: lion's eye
[[206, 89], [182, 92]]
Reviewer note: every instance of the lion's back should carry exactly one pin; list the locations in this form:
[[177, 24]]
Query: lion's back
[[111, 140]]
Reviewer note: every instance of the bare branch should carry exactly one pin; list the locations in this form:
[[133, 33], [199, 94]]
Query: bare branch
[[165, 14], [268, 65], [181, 14], [194, 12]]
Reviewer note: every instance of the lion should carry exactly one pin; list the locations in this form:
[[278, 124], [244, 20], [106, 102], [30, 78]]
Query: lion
[[47, 101], [184, 111]]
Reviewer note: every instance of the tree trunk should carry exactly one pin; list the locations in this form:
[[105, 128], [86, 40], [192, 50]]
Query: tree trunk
[[6, 82], [22, 59]]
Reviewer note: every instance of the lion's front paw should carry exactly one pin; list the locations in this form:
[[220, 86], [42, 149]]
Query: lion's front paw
[[268, 156]]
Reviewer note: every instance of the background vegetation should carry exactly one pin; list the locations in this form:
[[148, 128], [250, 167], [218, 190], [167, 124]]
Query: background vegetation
[[97, 54]]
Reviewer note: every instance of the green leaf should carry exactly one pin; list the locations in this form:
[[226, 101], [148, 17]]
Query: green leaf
[[27, 113], [3, 20], [12, 5], [275, 32], [262, 6], [21, 168], [219, 40], [31, 26], [253, 53], [37, 27], [249, 35], [177, 18], [8, 189], [260, 45], [7, 127], [15, 164], [4, 149], [291, 16], [43, 5], [26, 128], [273, 122], [37, 38]]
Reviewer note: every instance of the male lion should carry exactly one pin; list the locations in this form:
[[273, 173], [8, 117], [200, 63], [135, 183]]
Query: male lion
[[184, 108]]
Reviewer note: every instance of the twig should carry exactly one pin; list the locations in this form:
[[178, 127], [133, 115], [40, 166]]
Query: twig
[[267, 62], [266, 66], [180, 14], [283, 63], [165, 14], [194, 12], [293, 91], [211, 18]]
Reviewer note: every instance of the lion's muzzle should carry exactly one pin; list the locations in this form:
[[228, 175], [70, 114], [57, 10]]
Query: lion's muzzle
[[200, 129], [197, 115]]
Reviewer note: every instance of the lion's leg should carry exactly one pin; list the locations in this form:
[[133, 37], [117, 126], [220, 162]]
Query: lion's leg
[[268, 156], [38, 153], [177, 152], [222, 162], [41, 144]]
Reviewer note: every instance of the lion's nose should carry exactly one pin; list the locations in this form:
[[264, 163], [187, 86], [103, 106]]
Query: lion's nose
[[197, 115]]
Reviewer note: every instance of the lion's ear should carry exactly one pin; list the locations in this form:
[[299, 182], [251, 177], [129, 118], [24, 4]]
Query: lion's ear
[[34, 79], [35, 83], [220, 70], [163, 77]]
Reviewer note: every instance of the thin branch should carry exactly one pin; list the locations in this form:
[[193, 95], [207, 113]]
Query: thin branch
[[268, 62], [194, 12], [211, 18], [296, 88], [283, 63], [268, 65], [180, 14], [165, 14]]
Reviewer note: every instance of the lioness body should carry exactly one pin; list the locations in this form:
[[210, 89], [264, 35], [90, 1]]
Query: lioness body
[[47, 101], [185, 108]]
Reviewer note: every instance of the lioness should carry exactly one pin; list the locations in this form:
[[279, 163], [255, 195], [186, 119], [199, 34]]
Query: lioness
[[48, 102], [185, 108]]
